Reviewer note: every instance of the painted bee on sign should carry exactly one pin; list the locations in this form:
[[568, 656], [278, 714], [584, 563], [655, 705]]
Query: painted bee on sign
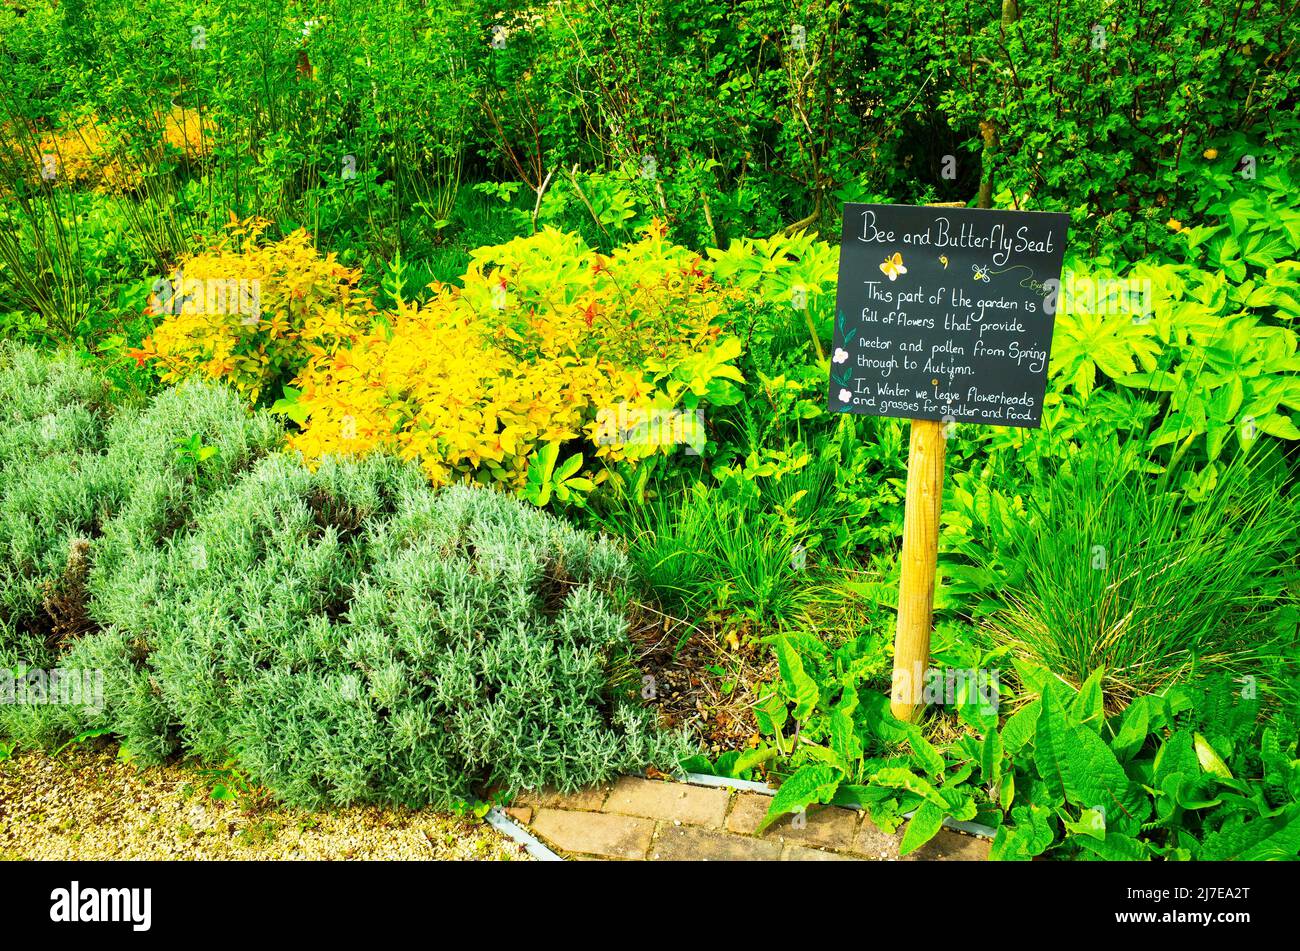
[[893, 266], [981, 272]]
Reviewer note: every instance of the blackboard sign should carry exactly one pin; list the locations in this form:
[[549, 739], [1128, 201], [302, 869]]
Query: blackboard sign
[[946, 313]]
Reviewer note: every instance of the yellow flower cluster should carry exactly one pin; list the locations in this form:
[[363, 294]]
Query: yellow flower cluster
[[250, 312], [543, 343], [88, 153]]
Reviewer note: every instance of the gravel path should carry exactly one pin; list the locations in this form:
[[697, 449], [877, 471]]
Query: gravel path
[[85, 804]]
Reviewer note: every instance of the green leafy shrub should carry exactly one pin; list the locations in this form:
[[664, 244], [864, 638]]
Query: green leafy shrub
[[1206, 344], [362, 120], [1192, 773], [1085, 105]]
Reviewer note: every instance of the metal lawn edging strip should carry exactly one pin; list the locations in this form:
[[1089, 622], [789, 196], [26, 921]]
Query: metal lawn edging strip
[[533, 845]]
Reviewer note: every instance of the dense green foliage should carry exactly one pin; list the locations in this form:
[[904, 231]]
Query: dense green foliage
[[375, 125], [1130, 568], [1182, 627], [345, 635]]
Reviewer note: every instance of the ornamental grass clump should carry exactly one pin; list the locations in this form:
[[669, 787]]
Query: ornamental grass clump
[[1116, 570]]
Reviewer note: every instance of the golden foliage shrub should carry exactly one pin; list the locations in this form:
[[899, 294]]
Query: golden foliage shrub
[[250, 312], [88, 153], [541, 344]]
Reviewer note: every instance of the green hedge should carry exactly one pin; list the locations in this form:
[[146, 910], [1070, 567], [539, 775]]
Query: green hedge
[[727, 117]]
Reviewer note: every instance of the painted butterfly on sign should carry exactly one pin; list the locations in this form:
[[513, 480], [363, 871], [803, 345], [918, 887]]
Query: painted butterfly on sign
[[893, 266]]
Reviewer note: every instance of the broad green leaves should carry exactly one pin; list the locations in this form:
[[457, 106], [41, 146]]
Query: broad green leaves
[[1087, 342], [1058, 777], [1205, 346], [547, 480], [1029, 834], [799, 687], [1255, 840], [811, 784], [1077, 764], [923, 827]]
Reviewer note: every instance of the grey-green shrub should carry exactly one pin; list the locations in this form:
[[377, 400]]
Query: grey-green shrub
[[347, 634], [158, 487], [82, 488], [352, 635], [53, 415]]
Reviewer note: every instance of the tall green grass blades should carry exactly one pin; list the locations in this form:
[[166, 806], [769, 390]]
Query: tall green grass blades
[[1112, 569], [703, 549]]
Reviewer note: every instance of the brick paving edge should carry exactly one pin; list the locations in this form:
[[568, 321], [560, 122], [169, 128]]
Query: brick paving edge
[[722, 782], [749, 785]]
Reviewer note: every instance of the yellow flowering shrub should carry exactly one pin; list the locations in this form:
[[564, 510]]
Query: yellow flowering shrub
[[249, 311], [88, 153], [545, 342]]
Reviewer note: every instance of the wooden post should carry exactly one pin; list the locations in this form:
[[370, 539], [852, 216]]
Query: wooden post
[[918, 561]]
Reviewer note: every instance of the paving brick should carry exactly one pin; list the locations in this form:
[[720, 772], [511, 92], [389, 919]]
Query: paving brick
[[691, 805], [691, 820], [522, 814], [747, 811], [875, 843], [951, 846], [947, 845], [589, 800], [693, 844], [595, 833], [827, 826], [798, 853]]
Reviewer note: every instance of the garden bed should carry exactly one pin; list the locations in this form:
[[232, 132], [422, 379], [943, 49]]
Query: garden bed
[[403, 406]]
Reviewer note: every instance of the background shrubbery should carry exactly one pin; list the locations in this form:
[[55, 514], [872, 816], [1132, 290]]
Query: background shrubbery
[[400, 127]]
